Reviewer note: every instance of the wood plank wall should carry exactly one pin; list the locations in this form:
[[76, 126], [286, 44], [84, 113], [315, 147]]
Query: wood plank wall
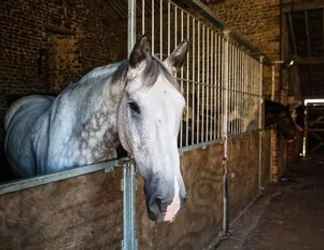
[[86, 212]]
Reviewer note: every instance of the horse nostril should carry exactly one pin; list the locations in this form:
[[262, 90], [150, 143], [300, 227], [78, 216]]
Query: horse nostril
[[183, 201], [155, 209], [158, 202]]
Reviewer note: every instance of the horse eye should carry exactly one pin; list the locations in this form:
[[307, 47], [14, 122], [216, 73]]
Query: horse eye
[[134, 107]]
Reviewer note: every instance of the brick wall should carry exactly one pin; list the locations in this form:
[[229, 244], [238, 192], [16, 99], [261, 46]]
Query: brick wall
[[46, 44], [259, 22]]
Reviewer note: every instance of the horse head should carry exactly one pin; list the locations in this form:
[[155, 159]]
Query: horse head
[[280, 115], [149, 118]]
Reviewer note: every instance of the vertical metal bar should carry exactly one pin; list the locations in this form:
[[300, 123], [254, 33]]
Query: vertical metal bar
[[215, 84], [143, 17], [204, 84], [169, 28], [235, 90], [240, 91], [207, 85], [212, 87], [187, 84], [225, 133], [129, 184], [129, 228], [198, 85], [261, 119], [230, 82], [182, 70], [175, 45], [193, 108], [153, 25], [220, 79], [161, 29], [244, 91], [304, 153], [131, 25], [175, 26], [273, 83]]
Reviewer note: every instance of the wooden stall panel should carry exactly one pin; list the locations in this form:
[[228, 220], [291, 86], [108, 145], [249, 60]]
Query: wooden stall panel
[[243, 172], [199, 222], [80, 213], [266, 158], [86, 212]]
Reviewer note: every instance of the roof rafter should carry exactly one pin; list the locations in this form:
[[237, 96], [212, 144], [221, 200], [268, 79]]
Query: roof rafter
[[309, 46], [292, 33]]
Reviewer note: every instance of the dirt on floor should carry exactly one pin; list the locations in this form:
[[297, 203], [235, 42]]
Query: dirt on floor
[[290, 216]]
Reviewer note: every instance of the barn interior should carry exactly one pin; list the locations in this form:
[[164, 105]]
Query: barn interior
[[246, 187], [303, 49]]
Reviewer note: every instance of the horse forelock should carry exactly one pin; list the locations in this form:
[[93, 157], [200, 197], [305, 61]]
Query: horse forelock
[[154, 67]]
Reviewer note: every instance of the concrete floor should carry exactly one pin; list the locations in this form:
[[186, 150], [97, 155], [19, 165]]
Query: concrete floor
[[289, 217]]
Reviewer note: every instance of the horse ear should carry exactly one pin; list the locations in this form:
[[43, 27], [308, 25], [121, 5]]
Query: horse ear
[[177, 57], [140, 52]]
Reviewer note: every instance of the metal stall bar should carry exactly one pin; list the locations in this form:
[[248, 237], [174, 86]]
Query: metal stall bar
[[187, 81], [193, 89], [216, 71], [143, 17], [129, 211], [181, 75], [213, 80], [261, 124], [129, 177], [230, 90], [153, 26], [241, 90], [161, 30], [203, 86], [207, 84], [235, 90], [169, 28], [304, 152], [220, 69], [225, 133], [198, 84]]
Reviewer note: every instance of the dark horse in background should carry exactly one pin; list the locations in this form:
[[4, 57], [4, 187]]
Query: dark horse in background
[[136, 103], [280, 116], [276, 115]]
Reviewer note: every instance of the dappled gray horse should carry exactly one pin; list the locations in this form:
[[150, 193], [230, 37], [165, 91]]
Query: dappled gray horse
[[135, 103]]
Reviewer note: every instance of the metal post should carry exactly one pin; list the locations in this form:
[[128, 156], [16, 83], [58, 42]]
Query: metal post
[[273, 83], [261, 119], [131, 25], [198, 84], [305, 133], [225, 133], [129, 183], [207, 84], [193, 90], [129, 191]]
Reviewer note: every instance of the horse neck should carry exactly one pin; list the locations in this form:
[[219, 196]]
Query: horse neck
[[99, 102]]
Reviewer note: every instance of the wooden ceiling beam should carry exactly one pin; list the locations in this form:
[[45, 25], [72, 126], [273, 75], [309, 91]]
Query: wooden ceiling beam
[[289, 6], [292, 33], [309, 46], [323, 28], [309, 60]]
